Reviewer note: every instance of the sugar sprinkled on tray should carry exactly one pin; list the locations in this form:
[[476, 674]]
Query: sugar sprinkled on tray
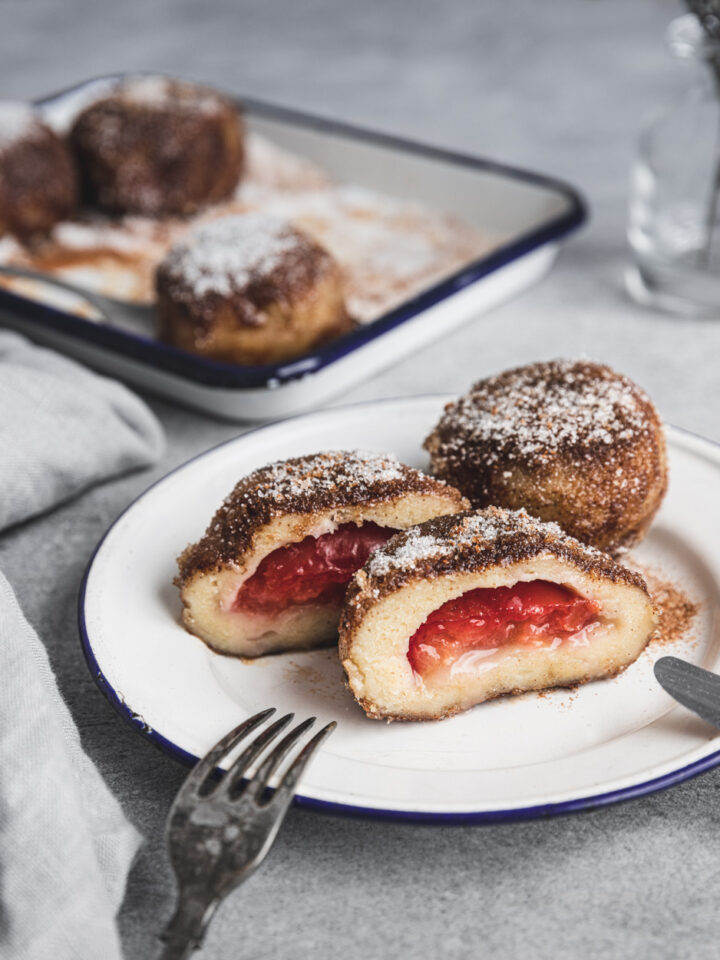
[[388, 249], [224, 255], [156, 91], [17, 120]]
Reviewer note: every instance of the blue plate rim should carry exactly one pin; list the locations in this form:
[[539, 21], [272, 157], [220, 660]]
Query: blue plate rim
[[211, 374], [509, 815]]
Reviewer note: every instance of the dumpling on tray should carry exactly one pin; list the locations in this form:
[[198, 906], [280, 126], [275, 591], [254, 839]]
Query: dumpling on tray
[[157, 147], [249, 289]]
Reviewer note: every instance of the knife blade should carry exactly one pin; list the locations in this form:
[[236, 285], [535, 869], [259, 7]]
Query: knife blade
[[694, 687]]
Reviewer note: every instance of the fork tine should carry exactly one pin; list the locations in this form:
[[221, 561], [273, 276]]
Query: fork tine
[[274, 759], [286, 788], [253, 750], [209, 762]]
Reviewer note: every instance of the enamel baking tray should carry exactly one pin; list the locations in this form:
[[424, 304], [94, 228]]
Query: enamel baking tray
[[528, 213]]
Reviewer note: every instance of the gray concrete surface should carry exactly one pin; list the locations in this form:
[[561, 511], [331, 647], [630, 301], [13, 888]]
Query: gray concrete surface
[[561, 86]]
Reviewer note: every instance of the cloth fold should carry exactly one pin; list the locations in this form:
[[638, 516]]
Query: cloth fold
[[63, 428], [65, 845]]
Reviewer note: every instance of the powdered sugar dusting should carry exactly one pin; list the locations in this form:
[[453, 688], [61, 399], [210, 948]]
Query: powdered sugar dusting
[[387, 248], [417, 545], [414, 547], [17, 120], [224, 255], [155, 91], [306, 485], [539, 409], [292, 479], [152, 90]]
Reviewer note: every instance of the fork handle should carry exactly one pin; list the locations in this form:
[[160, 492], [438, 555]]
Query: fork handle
[[96, 300], [185, 930]]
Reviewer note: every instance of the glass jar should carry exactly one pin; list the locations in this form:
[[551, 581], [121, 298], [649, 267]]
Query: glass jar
[[674, 214]]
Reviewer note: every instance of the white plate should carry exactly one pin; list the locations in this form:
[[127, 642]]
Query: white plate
[[515, 757]]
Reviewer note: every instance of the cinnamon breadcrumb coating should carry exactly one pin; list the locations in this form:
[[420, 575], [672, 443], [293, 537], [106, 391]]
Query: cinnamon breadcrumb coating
[[303, 485], [470, 542], [38, 183], [416, 572], [571, 441], [158, 146], [249, 261]]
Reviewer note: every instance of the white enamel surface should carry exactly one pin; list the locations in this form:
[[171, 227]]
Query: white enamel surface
[[506, 755]]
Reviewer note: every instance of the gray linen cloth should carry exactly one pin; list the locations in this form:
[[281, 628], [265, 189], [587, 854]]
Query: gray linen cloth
[[62, 429], [65, 845]]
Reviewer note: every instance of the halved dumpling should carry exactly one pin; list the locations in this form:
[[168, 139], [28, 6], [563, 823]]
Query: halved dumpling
[[469, 607], [271, 571]]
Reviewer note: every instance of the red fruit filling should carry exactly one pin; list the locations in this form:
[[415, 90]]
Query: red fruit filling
[[314, 569], [535, 613]]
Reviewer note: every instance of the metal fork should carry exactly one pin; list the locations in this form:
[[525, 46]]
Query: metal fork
[[219, 831], [136, 317]]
